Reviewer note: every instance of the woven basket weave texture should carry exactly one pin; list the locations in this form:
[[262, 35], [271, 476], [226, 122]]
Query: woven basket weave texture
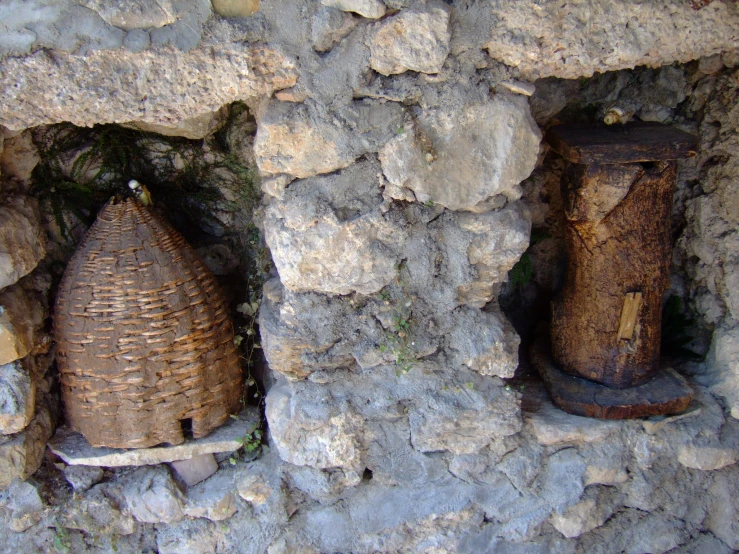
[[144, 340]]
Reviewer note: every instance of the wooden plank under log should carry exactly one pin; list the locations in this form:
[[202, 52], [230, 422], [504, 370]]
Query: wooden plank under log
[[667, 393], [635, 141]]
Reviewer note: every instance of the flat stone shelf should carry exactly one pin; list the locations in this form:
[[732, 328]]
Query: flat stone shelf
[[74, 449], [667, 393]]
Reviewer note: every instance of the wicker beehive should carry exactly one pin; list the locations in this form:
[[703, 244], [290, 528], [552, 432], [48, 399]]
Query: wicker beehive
[[144, 342]]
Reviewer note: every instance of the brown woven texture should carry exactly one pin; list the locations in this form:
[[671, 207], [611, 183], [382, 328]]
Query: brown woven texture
[[144, 340]]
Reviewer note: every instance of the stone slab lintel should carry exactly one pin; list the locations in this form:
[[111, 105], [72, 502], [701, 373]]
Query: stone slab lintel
[[75, 450]]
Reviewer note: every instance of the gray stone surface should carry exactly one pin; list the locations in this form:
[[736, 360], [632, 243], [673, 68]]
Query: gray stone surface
[[416, 39], [21, 324], [17, 397], [152, 495], [83, 477], [464, 151], [329, 26], [22, 240], [75, 450], [551, 40], [303, 140], [324, 239], [101, 511], [25, 505], [213, 499], [196, 469], [593, 509], [373, 9], [194, 536], [121, 86], [137, 14], [21, 454]]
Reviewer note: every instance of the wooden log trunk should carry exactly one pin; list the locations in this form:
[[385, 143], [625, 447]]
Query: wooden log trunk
[[606, 322]]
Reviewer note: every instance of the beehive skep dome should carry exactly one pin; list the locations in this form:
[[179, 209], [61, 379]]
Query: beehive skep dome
[[144, 339]]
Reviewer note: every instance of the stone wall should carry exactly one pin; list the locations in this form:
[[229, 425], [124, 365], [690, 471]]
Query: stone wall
[[398, 151]]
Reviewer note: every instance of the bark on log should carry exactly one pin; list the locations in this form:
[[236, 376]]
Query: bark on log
[[606, 322]]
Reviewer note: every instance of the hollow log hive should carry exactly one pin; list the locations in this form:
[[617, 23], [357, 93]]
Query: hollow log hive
[[606, 322], [144, 341]]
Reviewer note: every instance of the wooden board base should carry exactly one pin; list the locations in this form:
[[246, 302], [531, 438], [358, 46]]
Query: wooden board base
[[667, 393]]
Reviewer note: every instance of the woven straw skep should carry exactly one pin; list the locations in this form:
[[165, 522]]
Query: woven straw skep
[[144, 340]]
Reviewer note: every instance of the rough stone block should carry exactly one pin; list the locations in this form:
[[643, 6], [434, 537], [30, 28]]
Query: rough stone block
[[416, 39], [17, 397], [101, 511], [213, 499], [552, 426], [372, 9], [308, 429], [196, 469], [326, 237], [25, 505], [21, 319], [304, 140], [152, 495], [83, 477], [22, 240], [464, 419], [464, 151], [235, 8], [593, 509], [22, 454]]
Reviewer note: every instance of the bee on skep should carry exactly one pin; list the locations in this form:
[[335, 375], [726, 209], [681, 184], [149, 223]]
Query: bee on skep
[[616, 114], [141, 192]]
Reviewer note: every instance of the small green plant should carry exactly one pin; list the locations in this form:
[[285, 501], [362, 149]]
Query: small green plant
[[250, 444], [521, 273], [398, 339], [61, 543]]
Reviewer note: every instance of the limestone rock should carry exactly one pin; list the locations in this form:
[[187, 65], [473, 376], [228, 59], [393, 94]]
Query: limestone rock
[[235, 8], [136, 14], [83, 477], [194, 128], [253, 488], [323, 238], [484, 341], [152, 496], [595, 507], [304, 140], [101, 511], [464, 419], [416, 39], [22, 454], [19, 157], [95, 95], [723, 511], [500, 238], [194, 536], [548, 40], [196, 469], [22, 241], [213, 499], [312, 431], [25, 505], [464, 151], [373, 9], [329, 26], [632, 532], [21, 322], [75, 450], [552, 426], [723, 366], [17, 397], [707, 458]]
